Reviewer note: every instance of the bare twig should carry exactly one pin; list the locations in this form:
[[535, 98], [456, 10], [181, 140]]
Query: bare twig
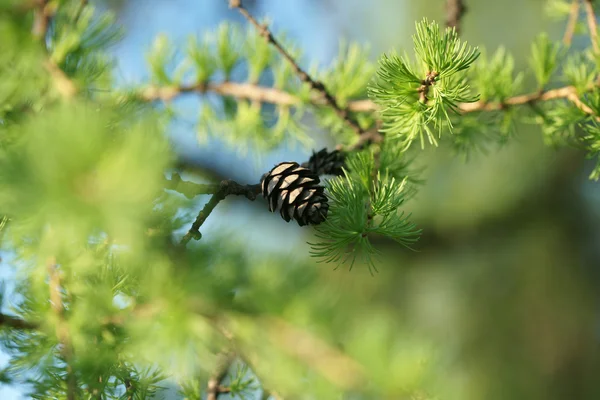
[[62, 329], [455, 9], [342, 112], [566, 92], [224, 189], [245, 91], [571, 23], [592, 24]]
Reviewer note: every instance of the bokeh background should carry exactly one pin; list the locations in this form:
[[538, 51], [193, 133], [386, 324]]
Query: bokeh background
[[503, 287]]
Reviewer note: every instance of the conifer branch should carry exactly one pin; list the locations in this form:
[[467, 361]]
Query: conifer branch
[[63, 84], [82, 5], [214, 387], [244, 91], [455, 10], [62, 329], [571, 23], [592, 24], [222, 190], [16, 323], [263, 30], [280, 97], [43, 13], [41, 19], [566, 92]]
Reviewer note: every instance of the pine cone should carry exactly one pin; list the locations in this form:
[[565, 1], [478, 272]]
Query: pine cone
[[326, 163], [295, 191]]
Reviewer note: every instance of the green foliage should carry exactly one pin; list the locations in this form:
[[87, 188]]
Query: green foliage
[[359, 208], [347, 77], [106, 297], [415, 97], [494, 77], [23, 79], [592, 139], [79, 39], [545, 58]]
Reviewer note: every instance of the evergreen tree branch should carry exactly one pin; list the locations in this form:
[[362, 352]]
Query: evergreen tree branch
[[62, 329], [592, 24], [342, 112], [243, 91], [41, 20], [82, 5], [214, 387], [572, 23], [65, 86], [224, 189], [261, 94], [16, 323], [455, 10], [566, 92], [280, 97], [43, 13]]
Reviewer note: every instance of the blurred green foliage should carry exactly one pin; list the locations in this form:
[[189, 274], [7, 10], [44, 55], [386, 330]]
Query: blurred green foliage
[[498, 302]]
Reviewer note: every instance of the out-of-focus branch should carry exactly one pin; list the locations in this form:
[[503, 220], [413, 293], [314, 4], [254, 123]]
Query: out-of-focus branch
[[43, 13], [16, 323], [246, 91], [342, 112], [592, 24], [65, 86], [41, 19], [455, 10], [214, 387], [62, 329], [571, 23], [82, 5]]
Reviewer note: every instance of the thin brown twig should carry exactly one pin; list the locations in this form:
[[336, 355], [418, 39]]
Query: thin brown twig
[[455, 10], [62, 329], [566, 92], [592, 24], [279, 97], [245, 91], [342, 112], [571, 23]]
